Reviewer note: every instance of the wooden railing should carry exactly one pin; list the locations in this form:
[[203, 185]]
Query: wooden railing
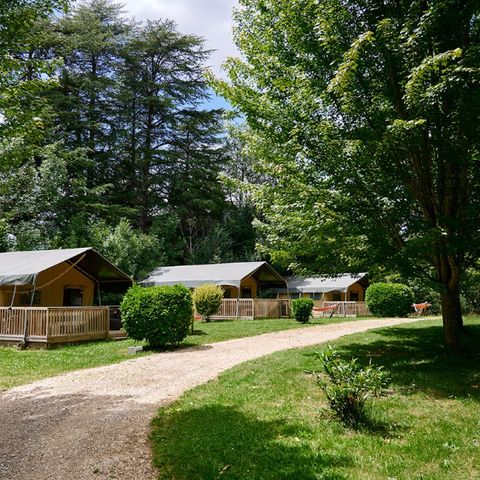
[[248, 308], [13, 322], [77, 323], [348, 309], [272, 308], [235, 308], [53, 324]]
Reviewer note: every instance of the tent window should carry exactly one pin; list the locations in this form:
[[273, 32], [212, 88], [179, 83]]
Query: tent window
[[246, 292], [26, 298], [336, 296], [72, 297]]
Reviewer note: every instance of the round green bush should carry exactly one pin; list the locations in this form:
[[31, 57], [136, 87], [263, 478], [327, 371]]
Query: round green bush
[[302, 309], [389, 299], [159, 315], [207, 299]]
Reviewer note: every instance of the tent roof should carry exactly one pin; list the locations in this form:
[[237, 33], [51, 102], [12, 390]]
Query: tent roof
[[22, 268], [226, 274], [323, 283]]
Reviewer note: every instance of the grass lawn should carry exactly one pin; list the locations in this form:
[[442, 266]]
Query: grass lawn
[[268, 418], [19, 367]]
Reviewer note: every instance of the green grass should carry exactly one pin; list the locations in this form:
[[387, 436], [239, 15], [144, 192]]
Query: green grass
[[268, 419], [20, 367]]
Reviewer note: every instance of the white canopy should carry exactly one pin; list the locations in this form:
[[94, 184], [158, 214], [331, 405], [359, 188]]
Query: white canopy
[[22, 268], [226, 274], [323, 284]]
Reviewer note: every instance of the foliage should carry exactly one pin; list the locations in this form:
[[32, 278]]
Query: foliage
[[302, 309], [266, 293], [471, 290], [132, 251], [159, 315], [350, 386], [207, 300], [104, 123], [366, 118], [389, 299]]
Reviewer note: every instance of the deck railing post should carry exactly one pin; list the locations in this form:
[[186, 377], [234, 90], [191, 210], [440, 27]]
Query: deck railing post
[[107, 321], [47, 325]]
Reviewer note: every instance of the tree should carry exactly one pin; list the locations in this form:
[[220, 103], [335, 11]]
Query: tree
[[372, 113]]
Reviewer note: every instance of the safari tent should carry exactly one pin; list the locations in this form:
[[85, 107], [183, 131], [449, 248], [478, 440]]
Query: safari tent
[[50, 293], [242, 282], [345, 290]]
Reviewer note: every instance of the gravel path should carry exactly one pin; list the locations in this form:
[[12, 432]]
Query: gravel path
[[94, 423]]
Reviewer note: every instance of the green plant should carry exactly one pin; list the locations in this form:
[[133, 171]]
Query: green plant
[[207, 299], [267, 293], [350, 386], [302, 309], [160, 315], [389, 299]]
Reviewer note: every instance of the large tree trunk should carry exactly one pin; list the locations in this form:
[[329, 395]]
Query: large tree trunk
[[452, 318], [448, 274]]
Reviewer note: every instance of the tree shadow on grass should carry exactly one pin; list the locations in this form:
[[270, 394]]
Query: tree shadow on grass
[[415, 359], [216, 441]]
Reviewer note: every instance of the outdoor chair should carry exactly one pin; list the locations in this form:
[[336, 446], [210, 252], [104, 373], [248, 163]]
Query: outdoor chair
[[421, 308]]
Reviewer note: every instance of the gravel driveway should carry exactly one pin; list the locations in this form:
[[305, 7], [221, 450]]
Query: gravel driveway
[[94, 423]]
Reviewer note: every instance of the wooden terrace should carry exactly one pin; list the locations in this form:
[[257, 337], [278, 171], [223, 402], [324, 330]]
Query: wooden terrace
[[44, 326]]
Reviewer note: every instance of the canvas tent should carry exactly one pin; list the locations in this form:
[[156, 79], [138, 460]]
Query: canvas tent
[[343, 287], [237, 278], [52, 271]]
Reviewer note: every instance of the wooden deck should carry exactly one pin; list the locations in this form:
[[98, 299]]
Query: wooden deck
[[53, 325]]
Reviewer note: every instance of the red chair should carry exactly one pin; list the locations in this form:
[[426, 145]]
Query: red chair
[[421, 308]]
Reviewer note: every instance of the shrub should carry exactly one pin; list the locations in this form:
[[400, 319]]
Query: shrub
[[350, 387], [207, 300], [302, 309], [389, 299], [160, 315]]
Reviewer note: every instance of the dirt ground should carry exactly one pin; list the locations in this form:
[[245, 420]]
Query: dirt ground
[[94, 423]]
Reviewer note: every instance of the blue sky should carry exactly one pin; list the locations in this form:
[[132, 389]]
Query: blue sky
[[211, 19]]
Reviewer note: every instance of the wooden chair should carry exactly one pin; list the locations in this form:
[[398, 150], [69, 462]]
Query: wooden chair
[[421, 308]]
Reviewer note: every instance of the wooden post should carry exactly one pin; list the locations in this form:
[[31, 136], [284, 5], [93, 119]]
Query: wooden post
[[107, 322], [47, 326]]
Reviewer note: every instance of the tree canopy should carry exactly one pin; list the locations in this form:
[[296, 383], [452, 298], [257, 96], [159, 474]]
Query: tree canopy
[[107, 138], [366, 116]]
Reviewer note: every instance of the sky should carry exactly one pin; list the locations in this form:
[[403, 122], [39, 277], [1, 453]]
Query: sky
[[210, 19]]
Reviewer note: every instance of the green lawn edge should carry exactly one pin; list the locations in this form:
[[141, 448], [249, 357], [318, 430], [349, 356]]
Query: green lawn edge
[[268, 418], [18, 367]]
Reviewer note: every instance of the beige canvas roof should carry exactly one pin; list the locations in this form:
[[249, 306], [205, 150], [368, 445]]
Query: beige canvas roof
[[323, 283], [22, 268], [227, 274]]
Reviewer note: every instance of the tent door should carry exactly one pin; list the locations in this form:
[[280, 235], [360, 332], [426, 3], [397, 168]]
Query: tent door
[[72, 297]]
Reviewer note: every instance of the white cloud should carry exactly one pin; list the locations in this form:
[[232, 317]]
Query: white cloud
[[211, 19]]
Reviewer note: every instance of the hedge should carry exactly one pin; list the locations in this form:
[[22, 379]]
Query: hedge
[[389, 299], [159, 315], [302, 309], [207, 299]]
